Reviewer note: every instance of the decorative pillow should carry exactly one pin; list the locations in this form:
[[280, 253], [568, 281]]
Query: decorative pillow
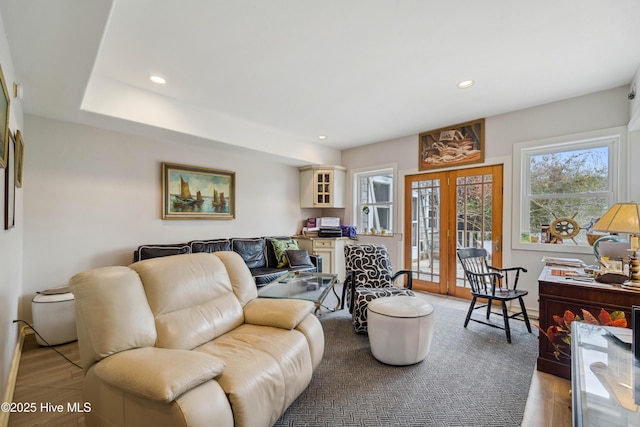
[[280, 247], [299, 258], [272, 262]]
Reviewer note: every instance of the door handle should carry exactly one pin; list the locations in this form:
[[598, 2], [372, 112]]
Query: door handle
[[497, 244]]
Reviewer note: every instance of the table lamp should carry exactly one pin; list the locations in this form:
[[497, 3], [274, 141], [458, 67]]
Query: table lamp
[[624, 218]]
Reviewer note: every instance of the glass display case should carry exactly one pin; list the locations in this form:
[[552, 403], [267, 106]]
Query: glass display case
[[605, 378]]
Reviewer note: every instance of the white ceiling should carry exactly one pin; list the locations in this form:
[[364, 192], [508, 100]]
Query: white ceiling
[[273, 75]]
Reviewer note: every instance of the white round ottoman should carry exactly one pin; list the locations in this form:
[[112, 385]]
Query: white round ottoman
[[54, 316], [400, 329]]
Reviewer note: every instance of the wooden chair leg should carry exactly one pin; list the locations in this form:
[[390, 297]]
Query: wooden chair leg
[[473, 303], [524, 314], [489, 304], [506, 321]]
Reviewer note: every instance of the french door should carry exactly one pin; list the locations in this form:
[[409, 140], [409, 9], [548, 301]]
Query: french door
[[449, 210]]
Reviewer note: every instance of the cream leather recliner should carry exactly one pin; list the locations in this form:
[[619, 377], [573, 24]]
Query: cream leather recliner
[[184, 341]]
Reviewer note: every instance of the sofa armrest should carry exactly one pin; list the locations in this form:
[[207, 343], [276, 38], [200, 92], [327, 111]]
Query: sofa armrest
[[316, 260], [279, 313], [158, 374]]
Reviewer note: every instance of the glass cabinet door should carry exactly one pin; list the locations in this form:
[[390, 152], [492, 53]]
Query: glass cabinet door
[[605, 379], [323, 188]]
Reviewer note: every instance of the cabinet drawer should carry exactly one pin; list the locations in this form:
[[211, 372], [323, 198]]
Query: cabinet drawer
[[323, 244]]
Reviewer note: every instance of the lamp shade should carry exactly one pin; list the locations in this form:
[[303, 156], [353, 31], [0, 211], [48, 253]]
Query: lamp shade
[[621, 218]]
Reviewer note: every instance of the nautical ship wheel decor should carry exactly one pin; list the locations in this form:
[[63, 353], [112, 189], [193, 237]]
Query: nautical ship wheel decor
[[564, 228]]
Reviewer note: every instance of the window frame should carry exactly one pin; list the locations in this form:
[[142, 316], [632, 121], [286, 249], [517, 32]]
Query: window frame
[[373, 171], [615, 138]]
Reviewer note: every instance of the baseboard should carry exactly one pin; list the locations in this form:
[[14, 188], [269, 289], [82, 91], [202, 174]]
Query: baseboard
[[13, 373], [533, 313]]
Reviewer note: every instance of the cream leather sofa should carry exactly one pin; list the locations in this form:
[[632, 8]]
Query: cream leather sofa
[[184, 341]]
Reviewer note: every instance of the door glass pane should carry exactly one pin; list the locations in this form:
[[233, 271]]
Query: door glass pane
[[445, 211], [473, 217], [425, 239]]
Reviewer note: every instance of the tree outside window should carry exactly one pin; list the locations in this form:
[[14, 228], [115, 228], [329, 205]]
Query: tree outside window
[[571, 181]]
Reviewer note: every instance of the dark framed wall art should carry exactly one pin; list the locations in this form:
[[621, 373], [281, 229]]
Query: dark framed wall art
[[5, 103], [452, 146], [192, 192]]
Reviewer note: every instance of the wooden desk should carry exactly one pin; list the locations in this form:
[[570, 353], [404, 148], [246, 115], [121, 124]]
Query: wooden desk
[[557, 294]]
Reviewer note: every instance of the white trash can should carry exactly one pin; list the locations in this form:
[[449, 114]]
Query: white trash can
[[54, 316]]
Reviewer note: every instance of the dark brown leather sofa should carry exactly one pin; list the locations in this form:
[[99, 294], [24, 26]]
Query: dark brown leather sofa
[[257, 252]]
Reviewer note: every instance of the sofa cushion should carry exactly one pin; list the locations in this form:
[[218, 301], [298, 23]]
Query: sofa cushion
[[104, 297], [155, 251], [252, 251], [191, 297], [209, 246], [280, 247], [266, 368], [299, 258], [241, 280]]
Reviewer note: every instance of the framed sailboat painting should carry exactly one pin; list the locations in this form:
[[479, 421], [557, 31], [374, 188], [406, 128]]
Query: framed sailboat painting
[[192, 192]]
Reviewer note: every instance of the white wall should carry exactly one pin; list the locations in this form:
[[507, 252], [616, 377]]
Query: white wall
[[634, 123], [10, 240], [590, 112], [634, 138], [94, 196], [634, 170]]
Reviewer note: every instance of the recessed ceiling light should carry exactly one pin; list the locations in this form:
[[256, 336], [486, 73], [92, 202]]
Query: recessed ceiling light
[[157, 79], [322, 136], [465, 84]]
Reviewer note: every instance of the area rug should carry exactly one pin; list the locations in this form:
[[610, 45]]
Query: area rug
[[471, 377]]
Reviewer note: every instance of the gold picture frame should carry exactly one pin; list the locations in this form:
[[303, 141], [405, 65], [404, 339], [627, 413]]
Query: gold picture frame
[[450, 146], [192, 192], [19, 152], [5, 107]]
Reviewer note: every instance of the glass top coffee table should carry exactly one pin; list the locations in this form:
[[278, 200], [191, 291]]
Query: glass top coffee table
[[312, 287]]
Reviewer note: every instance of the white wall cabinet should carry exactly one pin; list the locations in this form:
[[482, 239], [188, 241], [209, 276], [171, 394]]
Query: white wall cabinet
[[330, 249], [322, 186]]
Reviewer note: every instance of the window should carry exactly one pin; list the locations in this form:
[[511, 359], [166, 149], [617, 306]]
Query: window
[[565, 185], [374, 201]]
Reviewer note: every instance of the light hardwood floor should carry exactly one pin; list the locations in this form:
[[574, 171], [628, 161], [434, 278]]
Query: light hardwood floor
[[45, 377]]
